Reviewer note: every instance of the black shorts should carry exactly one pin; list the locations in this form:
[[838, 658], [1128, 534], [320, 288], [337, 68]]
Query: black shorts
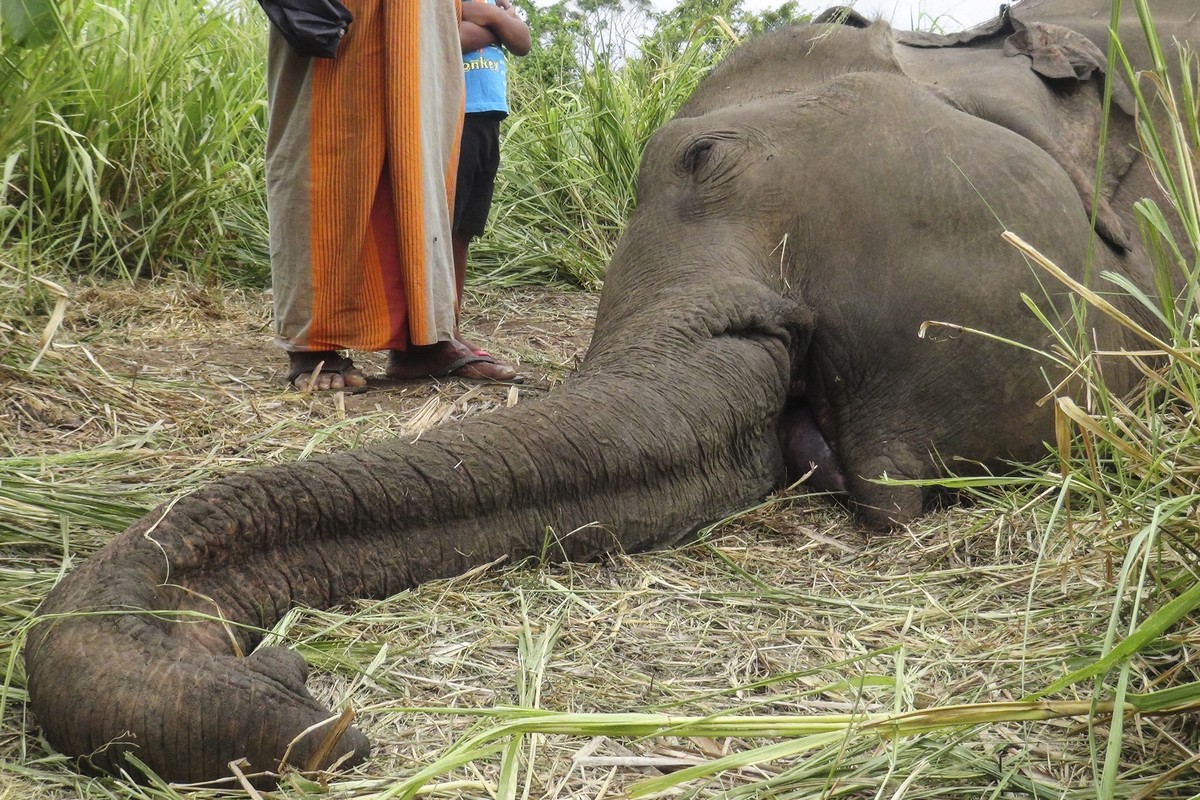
[[478, 160]]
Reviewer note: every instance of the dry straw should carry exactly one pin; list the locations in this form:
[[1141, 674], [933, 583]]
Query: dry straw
[[979, 653], [574, 680]]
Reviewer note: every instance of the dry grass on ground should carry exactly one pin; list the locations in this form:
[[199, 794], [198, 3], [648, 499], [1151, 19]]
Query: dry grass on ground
[[787, 610]]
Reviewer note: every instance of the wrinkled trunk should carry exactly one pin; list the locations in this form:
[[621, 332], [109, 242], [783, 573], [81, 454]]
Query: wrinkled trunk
[[138, 649]]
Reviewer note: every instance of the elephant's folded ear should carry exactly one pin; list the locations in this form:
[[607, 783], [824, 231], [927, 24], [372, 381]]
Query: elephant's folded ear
[[1065, 59], [1059, 53]]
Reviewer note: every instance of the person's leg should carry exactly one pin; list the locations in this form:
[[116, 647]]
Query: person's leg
[[422, 101], [493, 369], [455, 356], [313, 366], [461, 241], [323, 370]]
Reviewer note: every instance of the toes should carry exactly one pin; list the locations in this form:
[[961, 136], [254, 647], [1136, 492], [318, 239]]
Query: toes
[[488, 371], [324, 370], [306, 382], [331, 381]]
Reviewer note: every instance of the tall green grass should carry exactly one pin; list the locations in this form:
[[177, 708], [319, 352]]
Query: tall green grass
[[132, 145], [1133, 463], [132, 142], [1140, 460], [570, 159]]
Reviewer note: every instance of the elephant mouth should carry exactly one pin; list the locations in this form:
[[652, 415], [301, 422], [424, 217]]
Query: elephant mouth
[[808, 455]]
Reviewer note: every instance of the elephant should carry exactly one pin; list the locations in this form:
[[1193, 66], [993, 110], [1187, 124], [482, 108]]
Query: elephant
[[825, 190]]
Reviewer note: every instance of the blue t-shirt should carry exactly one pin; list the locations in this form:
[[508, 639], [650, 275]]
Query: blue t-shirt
[[487, 77]]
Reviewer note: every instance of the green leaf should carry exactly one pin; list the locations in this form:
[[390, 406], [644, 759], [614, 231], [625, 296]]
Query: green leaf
[[759, 755], [28, 22], [1169, 699], [1150, 629]]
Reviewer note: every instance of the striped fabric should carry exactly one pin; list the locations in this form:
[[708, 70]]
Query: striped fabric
[[361, 165]]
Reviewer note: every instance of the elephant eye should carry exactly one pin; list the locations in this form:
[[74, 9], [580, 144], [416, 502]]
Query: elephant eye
[[697, 155]]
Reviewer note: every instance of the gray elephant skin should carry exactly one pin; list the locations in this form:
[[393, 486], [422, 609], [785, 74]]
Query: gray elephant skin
[[825, 190]]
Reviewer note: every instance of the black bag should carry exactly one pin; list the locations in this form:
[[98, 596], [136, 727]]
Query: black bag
[[312, 27]]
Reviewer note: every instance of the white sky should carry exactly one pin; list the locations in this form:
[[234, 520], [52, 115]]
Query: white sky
[[950, 15]]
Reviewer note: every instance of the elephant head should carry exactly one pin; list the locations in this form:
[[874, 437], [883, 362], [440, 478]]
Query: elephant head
[[826, 190]]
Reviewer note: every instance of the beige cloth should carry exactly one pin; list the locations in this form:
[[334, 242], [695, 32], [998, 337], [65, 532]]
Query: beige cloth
[[362, 152]]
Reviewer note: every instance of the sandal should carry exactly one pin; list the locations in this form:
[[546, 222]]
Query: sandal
[[401, 368], [323, 362]]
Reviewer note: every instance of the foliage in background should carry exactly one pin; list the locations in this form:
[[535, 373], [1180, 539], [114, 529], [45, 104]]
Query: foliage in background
[[1124, 490], [132, 142], [27, 22], [570, 163], [582, 115]]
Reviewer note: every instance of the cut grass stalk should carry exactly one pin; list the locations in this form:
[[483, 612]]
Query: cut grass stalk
[[803, 733]]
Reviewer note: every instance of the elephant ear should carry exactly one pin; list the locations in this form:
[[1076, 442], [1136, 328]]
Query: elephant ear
[[1066, 59], [1067, 129], [1059, 53]]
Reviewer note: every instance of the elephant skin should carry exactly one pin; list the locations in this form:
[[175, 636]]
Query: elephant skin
[[825, 190]]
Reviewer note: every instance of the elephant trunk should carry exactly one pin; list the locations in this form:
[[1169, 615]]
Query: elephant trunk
[[142, 648]]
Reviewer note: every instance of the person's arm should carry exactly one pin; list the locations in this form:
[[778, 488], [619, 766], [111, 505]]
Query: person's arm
[[473, 36], [501, 21]]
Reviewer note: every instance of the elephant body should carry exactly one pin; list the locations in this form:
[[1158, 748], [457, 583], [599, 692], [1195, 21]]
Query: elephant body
[[826, 190]]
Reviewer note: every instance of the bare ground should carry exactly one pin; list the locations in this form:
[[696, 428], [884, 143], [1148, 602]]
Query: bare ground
[[789, 609]]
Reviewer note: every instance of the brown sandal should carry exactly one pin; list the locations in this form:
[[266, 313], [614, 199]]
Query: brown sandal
[[398, 369], [303, 362]]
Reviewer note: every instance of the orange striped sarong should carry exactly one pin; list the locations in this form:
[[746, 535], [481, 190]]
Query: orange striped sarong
[[362, 153]]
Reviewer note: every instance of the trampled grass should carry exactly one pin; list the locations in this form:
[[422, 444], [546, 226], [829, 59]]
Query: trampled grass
[[1002, 632], [788, 613]]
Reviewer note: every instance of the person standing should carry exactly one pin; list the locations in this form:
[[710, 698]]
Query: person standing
[[361, 149], [488, 29]]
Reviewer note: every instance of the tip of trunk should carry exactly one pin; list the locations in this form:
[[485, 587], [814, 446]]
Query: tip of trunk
[[106, 686]]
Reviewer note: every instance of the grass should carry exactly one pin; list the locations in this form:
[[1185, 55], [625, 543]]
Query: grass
[[133, 142], [787, 654], [785, 612], [569, 164], [132, 146]]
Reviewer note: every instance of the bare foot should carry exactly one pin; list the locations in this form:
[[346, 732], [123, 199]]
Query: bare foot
[[448, 359], [323, 371]]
